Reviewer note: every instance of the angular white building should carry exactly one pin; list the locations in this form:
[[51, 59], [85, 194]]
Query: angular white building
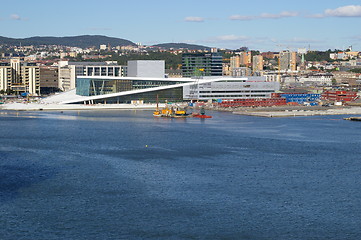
[[125, 90]]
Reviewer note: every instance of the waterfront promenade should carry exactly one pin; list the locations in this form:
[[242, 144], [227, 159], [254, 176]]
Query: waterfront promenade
[[60, 107]]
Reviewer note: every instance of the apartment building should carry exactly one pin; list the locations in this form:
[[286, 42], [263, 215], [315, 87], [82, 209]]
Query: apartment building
[[19, 76], [5, 76], [242, 59], [288, 61], [257, 63]]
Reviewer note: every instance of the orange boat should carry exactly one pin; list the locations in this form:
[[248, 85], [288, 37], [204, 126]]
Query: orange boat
[[201, 116]]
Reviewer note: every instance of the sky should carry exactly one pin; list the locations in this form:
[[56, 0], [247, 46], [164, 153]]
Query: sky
[[262, 25]]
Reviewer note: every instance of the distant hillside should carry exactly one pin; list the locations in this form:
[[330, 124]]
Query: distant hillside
[[76, 41], [182, 45]]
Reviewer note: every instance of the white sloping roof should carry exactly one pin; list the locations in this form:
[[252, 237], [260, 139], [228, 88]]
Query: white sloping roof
[[71, 97]]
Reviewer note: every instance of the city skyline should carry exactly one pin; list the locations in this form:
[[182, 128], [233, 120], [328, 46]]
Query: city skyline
[[229, 24]]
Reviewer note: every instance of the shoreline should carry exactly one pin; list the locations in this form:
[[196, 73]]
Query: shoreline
[[301, 112], [276, 111]]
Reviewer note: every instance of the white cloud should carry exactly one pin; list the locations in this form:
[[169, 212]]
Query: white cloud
[[15, 17], [242, 18], [316, 16], [289, 14], [194, 19], [346, 11], [280, 15], [283, 14]]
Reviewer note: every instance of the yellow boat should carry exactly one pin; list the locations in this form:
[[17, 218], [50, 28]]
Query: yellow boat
[[170, 112]]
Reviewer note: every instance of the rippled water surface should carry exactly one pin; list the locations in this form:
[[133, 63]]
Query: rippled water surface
[[128, 175]]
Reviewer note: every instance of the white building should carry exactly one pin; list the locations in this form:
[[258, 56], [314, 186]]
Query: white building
[[241, 71], [317, 79], [231, 88], [5, 77], [68, 71], [125, 90], [22, 77]]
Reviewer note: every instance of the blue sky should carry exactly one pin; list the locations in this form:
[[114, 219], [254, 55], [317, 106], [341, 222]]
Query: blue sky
[[258, 24]]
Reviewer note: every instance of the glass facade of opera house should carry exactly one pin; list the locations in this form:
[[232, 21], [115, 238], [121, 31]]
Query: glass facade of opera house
[[95, 87], [251, 87]]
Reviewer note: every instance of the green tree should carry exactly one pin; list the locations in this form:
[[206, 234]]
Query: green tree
[[318, 56], [356, 70]]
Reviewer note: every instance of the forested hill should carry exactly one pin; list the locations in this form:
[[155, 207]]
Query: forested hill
[[182, 45], [75, 41]]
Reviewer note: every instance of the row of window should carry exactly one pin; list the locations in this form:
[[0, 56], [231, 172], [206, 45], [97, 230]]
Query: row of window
[[255, 91], [231, 96]]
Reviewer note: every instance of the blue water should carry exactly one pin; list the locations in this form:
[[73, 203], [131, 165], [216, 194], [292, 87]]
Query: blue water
[[127, 175]]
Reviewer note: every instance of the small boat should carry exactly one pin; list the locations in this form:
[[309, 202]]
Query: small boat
[[197, 115], [170, 112], [181, 113], [201, 114], [157, 113]]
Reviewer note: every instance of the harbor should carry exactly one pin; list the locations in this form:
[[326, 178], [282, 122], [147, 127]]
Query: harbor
[[128, 175]]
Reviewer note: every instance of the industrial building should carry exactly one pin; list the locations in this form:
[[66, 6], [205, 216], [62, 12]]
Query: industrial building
[[339, 96]]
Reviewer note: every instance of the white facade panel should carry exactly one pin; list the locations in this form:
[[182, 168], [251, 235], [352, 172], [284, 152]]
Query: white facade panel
[[146, 68], [234, 89]]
